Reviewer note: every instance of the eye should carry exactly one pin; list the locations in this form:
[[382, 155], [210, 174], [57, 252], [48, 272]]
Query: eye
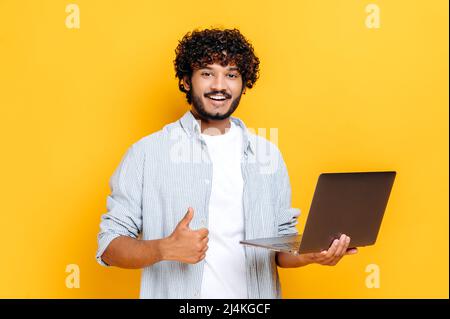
[[206, 73], [232, 75]]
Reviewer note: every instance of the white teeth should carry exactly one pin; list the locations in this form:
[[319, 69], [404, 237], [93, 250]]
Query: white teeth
[[217, 98]]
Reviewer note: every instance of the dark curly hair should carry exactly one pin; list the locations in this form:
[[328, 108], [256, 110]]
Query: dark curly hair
[[200, 48]]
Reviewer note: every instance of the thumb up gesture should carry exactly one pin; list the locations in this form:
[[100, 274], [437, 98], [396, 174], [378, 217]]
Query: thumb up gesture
[[187, 245]]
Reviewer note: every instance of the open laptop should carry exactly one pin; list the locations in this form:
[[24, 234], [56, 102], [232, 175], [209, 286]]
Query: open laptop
[[343, 203]]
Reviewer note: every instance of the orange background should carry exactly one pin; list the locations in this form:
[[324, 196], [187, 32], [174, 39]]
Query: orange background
[[344, 97]]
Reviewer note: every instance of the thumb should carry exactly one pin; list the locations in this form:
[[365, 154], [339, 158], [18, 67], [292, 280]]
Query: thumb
[[187, 218], [351, 251]]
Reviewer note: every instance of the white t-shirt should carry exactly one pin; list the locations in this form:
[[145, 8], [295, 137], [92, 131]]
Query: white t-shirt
[[224, 273]]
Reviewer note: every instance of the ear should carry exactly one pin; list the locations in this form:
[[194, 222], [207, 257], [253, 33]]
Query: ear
[[186, 83]]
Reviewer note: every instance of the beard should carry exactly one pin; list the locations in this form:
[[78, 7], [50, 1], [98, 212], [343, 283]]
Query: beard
[[199, 107]]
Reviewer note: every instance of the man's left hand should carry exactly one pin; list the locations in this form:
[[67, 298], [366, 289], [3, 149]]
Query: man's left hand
[[337, 250]]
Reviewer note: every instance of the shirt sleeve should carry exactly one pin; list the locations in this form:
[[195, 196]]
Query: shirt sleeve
[[287, 216], [124, 204]]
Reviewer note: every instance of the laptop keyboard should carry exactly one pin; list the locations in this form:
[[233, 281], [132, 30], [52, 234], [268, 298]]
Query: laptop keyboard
[[290, 246]]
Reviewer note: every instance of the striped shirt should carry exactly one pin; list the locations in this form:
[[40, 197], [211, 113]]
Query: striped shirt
[[164, 173]]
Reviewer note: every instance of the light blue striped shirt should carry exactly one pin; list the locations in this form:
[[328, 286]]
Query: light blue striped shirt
[[164, 173]]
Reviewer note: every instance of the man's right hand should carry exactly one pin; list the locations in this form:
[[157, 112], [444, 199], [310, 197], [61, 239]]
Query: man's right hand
[[184, 244]]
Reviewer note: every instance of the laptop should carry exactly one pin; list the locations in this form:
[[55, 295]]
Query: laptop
[[343, 203]]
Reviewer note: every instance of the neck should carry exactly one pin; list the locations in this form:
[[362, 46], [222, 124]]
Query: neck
[[212, 127]]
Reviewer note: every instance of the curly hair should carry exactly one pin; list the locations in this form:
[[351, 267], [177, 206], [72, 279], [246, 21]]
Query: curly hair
[[200, 48]]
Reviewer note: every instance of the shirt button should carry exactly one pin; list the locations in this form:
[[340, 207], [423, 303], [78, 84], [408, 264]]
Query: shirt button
[[207, 182]]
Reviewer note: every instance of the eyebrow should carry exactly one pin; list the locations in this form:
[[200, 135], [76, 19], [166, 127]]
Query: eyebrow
[[230, 68]]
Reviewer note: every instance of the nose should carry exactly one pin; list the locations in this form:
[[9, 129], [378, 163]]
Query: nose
[[219, 83]]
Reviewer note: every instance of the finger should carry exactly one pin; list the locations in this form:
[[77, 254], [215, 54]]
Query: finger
[[344, 246], [340, 245], [204, 249], [334, 261], [321, 258], [351, 251], [325, 261], [323, 254], [347, 242], [187, 218], [205, 240], [203, 232], [332, 248]]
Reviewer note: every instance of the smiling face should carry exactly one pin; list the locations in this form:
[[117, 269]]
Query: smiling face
[[216, 91]]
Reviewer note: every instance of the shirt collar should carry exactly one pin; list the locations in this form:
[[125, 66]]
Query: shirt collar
[[192, 128]]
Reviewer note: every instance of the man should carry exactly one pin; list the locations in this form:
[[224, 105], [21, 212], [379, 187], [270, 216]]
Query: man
[[182, 198]]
